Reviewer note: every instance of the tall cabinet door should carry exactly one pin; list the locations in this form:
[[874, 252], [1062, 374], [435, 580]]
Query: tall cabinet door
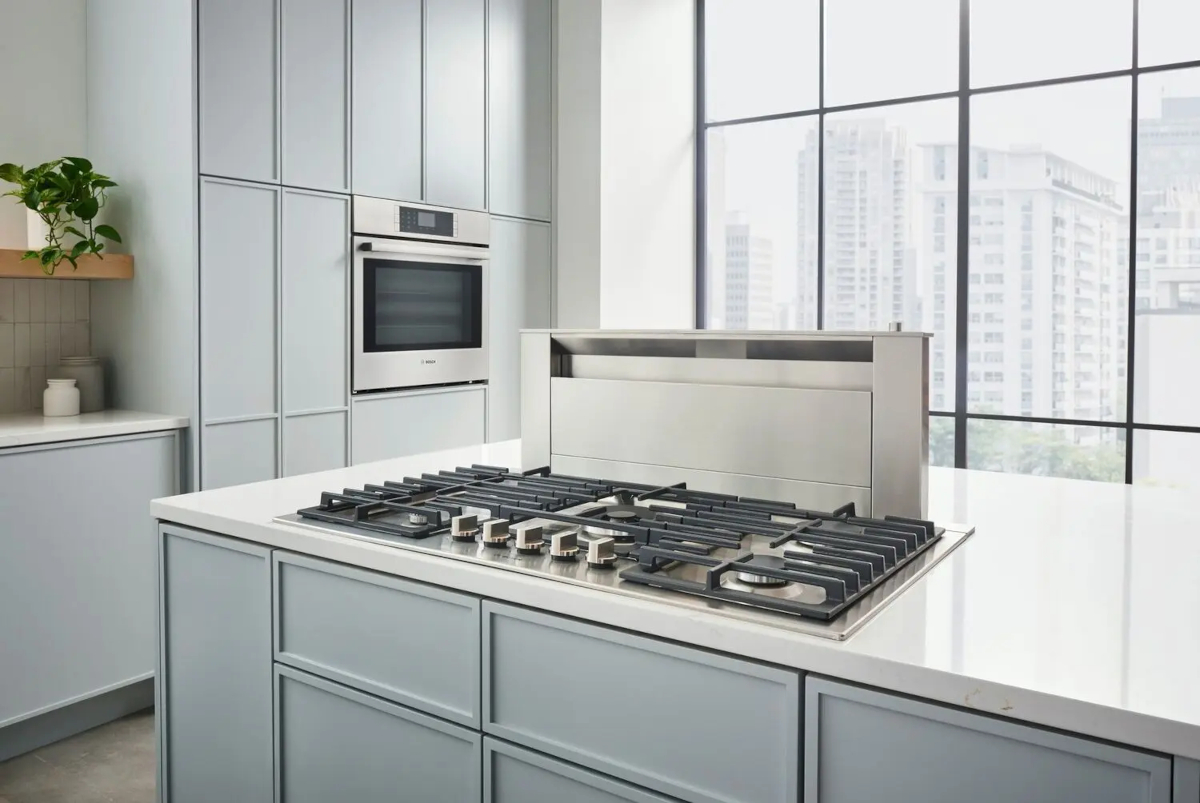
[[239, 265], [238, 104], [519, 124], [520, 299], [316, 270], [387, 114], [455, 96], [214, 679], [316, 105]]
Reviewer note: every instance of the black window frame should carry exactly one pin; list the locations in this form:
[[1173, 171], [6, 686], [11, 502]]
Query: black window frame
[[963, 93]]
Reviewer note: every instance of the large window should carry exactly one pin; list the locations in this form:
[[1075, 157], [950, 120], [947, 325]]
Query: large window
[[1020, 178]]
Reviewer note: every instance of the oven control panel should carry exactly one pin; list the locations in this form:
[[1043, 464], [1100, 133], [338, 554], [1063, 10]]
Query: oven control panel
[[412, 220]]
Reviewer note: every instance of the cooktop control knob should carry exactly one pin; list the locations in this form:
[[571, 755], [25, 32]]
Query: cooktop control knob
[[601, 554], [564, 545], [464, 528], [495, 533], [529, 540]]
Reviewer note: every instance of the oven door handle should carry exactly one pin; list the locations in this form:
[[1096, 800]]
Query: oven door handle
[[417, 249]]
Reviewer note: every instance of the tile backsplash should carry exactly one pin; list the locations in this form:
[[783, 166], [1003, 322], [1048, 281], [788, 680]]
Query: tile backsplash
[[41, 321]]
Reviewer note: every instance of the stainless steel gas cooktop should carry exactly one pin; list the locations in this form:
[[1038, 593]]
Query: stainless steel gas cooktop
[[822, 573]]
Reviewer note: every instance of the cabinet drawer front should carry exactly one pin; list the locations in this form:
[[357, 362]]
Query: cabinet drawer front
[[414, 644], [868, 745], [515, 775], [700, 727], [336, 744]]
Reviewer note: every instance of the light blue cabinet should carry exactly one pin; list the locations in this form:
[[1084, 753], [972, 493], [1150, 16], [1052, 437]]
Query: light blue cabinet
[[514, 775], [337, 744], [316, 330], [429, 659], [1186, 780], [238, 88], [520, 73], [699, 727], [387, 92], [77, 580], [215, 681], [315, 104], [520, 299], [395, 425], [455, 99], [239, 267], [862, 744]]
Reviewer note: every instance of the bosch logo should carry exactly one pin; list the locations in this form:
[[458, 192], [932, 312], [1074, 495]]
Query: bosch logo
[[428, 362]]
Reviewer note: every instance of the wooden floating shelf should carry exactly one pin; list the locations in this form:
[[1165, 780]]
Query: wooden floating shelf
[[113, 266]]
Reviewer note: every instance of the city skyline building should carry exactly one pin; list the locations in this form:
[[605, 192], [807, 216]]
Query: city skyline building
[[749, 269], [1047, 310]]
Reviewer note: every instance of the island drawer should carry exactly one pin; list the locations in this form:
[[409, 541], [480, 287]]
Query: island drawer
[[684, 722], [515, 775], [337, 744], [861, 744], [414, 644]]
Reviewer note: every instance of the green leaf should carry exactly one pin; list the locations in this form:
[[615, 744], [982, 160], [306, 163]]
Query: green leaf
[[103, 183], [33, 199], [78, 161], [108, 232], [69, 170], [97, 249], [74, 264], [87, 209], [76, 232], [79, 250], [50, 256], [30, 255], [11, 173], [61, 182]]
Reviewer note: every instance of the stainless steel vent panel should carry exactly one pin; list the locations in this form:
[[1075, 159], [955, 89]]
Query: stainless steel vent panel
[[787, 433]]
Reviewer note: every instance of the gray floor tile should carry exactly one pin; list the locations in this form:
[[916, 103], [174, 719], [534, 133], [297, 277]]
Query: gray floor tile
[[115, 762]]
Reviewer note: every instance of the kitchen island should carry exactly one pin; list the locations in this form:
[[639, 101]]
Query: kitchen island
[[1054, 655]]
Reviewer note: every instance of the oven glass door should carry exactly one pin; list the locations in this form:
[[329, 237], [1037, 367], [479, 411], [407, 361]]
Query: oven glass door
[[409, 305]]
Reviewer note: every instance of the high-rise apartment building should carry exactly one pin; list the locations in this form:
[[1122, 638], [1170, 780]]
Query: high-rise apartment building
[[1168, 214], [749, 268], [870, 270], [1047, 289]]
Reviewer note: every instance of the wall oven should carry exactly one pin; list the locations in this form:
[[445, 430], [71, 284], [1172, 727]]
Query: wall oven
[[419, 290]]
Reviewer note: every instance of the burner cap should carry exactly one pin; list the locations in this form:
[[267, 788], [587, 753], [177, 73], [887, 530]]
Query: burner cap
[[768, 562], [627, 514]]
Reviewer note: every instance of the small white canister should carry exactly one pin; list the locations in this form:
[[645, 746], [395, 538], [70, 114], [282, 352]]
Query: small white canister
[[60, 398], [88, 373]]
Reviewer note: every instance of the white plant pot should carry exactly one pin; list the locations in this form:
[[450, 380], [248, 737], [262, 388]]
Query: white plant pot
[[36, 231]]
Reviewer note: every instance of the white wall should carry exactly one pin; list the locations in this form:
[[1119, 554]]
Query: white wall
[[625, 204], [141, 129], [647, 164], [577, 171], [43, 92]]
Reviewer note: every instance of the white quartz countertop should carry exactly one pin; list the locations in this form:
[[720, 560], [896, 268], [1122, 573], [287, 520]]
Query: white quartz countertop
[[31, 428], [1075, 605]]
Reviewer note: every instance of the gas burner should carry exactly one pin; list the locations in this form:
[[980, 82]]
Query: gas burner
[[627, 514], [767, 562], [419, 519]]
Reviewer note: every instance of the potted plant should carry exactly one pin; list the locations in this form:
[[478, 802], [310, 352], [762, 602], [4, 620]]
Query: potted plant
[[63, 193]]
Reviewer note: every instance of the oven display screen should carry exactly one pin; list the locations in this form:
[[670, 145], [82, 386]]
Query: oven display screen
[[424, 221]]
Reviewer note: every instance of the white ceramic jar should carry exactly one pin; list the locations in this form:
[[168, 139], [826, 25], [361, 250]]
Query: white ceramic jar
[[61, 398], [88, 373]]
